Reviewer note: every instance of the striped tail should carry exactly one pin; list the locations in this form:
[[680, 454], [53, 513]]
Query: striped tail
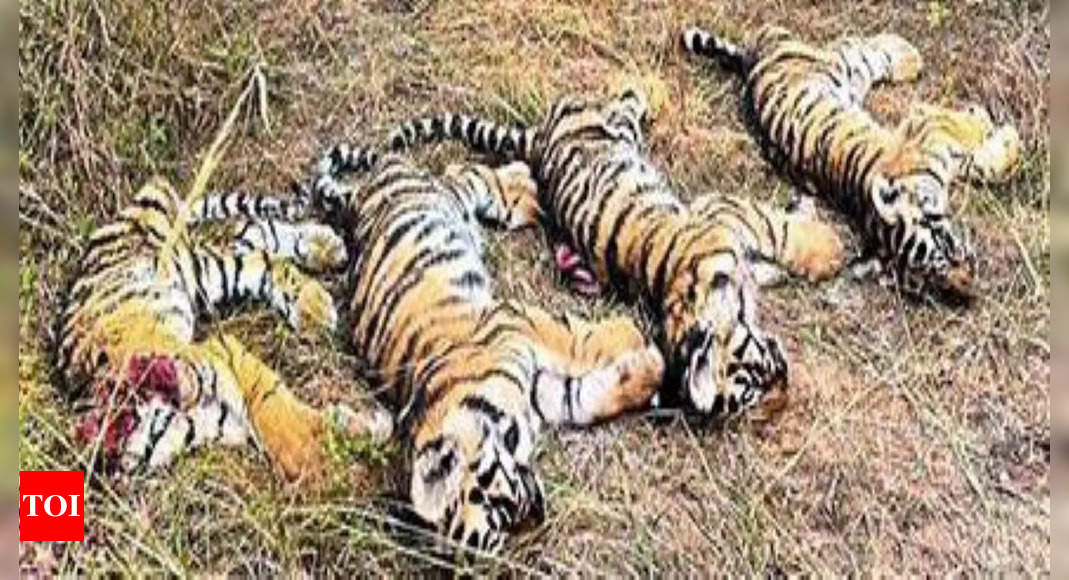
[[341, 159], [481, 135], [704, 43]]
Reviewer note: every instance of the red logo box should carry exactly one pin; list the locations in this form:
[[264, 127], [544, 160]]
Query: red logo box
[[51, 506]]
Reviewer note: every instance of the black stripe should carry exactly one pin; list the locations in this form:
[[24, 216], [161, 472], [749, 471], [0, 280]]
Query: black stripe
[[445, 464], [443, 388], [534, 395], [480, 404], [153, 204], [190, 434], [224, 412], [566, 403], [469, 279], [413, 274], [608, 190], [661, 275], [154, 435]]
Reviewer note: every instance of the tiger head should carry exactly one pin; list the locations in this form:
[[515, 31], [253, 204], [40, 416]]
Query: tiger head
[[924, 248], [472, 480], [728, 364], [911, 192]]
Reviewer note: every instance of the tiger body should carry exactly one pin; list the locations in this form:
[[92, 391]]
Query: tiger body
[[145, 387], [691, 268], [475, 378], [807, 107]]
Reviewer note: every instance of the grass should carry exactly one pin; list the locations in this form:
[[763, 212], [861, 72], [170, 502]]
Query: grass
[[919, 437]]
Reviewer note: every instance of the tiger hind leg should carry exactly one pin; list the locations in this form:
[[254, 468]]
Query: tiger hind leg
[[216, 393], [289, 430], [813, 248], [229, 278], [796, 240], [985, 152], [875, 59], [230, 206], [506, 196], [905, 61]]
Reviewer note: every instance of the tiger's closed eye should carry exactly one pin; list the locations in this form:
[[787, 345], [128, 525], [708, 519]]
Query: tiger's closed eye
[[720, 281]]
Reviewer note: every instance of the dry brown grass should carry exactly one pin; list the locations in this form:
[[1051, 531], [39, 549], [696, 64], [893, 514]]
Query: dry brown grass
[[919, 439]]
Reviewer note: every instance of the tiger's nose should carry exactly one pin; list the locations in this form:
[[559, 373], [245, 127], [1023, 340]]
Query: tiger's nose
[[960, 281], [772, 403]]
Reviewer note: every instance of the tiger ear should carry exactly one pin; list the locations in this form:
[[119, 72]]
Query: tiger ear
[[436, 478], [885, 195]]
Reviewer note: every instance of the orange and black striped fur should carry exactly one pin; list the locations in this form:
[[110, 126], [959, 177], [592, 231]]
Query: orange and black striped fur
[[144, 387], [807, 105], [691, 266], [475, 378]]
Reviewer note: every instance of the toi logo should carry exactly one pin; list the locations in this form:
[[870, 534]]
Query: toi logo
[[51, 506]]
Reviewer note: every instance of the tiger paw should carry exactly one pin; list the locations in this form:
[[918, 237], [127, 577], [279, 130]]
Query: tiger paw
[[1000, 154], [636, 376], [322, 249], [315, 309], [580, 277], [771, 406], [905, 60], [375, 423], [819, 253], [645, 366], [520, 194]]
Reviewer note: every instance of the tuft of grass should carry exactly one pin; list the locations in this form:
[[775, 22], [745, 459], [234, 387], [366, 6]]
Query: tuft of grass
[[918, 441]]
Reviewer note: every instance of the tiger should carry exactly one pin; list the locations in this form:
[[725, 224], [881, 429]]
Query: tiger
[[142, 386], [806, 105], [689, 267], [473, 378]]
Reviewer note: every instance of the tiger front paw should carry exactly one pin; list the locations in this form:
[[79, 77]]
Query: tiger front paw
[[819, 254], [315, 309], [905, 60], [323, 249], [520, 194], [1000, 154], [374, 422], [643, 371]]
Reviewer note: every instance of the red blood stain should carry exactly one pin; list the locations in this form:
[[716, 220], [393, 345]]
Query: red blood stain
[[146, 377]]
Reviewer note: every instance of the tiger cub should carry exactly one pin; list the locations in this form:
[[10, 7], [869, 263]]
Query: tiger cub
[[807, 104], [144, 387], [475, 378], [690, 268]]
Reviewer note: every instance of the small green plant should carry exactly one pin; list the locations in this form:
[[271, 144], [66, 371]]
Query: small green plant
[[84, 226], [938, 13], [343, 449], [27, 282]]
